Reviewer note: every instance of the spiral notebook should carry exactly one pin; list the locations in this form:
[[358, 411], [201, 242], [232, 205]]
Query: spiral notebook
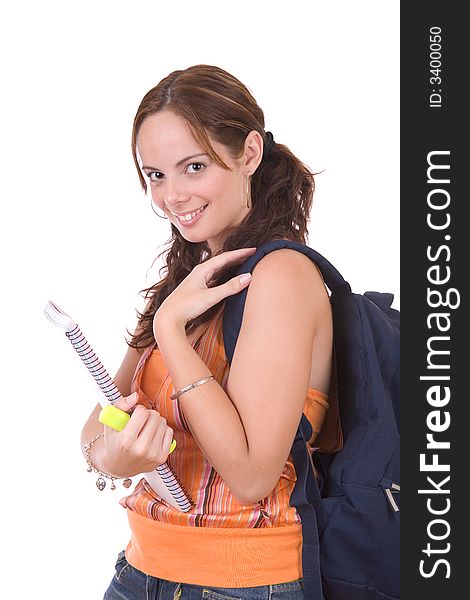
[[162, 480]]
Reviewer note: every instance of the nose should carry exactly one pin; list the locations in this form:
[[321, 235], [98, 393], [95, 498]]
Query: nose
[[174, 193]]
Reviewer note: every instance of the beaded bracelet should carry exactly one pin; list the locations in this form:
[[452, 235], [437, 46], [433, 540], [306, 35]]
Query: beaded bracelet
[[100, 482]]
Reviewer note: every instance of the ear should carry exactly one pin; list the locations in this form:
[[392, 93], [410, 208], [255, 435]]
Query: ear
[[253, 151]]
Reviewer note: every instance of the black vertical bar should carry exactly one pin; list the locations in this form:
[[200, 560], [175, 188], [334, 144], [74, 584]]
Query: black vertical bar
[[435, 249]]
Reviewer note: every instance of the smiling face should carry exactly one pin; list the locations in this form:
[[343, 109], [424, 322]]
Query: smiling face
[[201, 198]]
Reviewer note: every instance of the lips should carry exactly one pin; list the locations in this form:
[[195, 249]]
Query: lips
[[190, 218]]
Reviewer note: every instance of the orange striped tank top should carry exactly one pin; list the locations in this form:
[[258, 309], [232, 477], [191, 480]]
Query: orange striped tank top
[[253, 545]]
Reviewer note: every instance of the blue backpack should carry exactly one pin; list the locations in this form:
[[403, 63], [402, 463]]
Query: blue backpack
[[350, 517]]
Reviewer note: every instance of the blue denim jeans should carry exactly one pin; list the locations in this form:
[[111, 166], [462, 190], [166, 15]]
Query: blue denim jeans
[[130, 584]]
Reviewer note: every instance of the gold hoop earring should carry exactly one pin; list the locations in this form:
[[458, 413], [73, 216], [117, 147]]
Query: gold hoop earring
[[248, 191]]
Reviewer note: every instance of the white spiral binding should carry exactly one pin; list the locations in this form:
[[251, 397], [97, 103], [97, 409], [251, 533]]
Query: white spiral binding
[[110, 390], [93, 364]]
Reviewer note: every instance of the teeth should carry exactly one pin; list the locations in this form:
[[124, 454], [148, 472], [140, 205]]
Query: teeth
[[189, 217]]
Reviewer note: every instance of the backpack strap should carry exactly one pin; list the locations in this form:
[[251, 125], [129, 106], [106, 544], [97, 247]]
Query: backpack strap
[[306, 495], [234, 305]]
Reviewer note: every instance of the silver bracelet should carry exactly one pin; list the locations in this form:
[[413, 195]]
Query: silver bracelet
[[100, 482], [177, 394]]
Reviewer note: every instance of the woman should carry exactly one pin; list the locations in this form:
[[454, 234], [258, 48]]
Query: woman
[[200, 146]]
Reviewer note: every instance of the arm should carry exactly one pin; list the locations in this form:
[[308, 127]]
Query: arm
[[247, 432]]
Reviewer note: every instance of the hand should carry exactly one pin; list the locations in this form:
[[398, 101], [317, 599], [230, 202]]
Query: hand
[[141, 446], [193, 296]]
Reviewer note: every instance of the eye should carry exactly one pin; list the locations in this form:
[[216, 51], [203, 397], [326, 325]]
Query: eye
[[154, 176], [195, 167]]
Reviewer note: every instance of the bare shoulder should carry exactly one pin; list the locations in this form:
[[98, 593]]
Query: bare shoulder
[[293, 278], [287, 308], [290, 261]]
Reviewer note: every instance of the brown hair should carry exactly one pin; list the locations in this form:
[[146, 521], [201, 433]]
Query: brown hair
[[216, 105]]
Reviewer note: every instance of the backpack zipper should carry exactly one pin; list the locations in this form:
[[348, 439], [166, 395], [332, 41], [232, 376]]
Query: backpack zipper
[[390, 487]]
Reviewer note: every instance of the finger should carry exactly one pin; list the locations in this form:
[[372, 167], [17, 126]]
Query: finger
[[116, 416], [231, 287], [163, 439], [126, 403], [222, 261], [157, 436], [154, 422], [167, 440], [136, 423], [148, 434]]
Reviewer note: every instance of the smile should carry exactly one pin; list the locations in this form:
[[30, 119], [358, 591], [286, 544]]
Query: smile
[[190, 218]]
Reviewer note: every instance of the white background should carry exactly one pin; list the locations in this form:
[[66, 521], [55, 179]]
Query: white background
[[77, 229]]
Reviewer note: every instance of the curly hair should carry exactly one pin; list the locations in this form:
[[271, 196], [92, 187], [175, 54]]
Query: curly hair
[[217, 106]]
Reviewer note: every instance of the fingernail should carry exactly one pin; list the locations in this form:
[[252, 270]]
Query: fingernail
[[245, 278]]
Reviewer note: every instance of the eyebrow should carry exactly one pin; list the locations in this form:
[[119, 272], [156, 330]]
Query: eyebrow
[[180, 162]]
